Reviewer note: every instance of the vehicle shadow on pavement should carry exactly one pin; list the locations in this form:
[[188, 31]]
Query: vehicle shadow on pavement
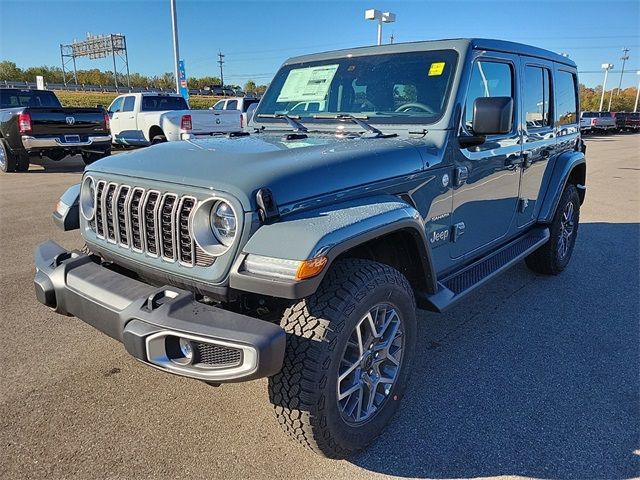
[[72, 164], [533, 375]]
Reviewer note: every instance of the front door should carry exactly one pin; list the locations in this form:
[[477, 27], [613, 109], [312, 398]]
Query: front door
[[538, 136], [114, 114], [487, 177]]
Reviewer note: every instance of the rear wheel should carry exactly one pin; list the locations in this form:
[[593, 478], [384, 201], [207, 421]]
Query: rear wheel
[[553, 257], [7, 159], [89, 157], [349, 351], [158, 139]]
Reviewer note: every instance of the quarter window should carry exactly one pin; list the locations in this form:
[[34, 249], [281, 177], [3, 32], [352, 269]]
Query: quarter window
[[488, 79], [567, 98], [536, 97]]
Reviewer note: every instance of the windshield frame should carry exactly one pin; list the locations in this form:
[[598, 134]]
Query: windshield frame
[[387, 118]]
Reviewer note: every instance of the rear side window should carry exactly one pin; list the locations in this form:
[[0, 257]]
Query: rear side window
[[566, 98], [162, 103], [488, 79], [232, 105], [128, 104], [536, 97]]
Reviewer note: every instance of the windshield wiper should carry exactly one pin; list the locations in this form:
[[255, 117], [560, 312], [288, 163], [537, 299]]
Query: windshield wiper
[[292, 121], [372, 132]]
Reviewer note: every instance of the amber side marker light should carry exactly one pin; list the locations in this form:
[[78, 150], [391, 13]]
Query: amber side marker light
[[311, 268]]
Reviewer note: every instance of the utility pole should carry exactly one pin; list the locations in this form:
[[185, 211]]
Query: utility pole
[[391, 38], [635, 108], [624, 59], [176, 51], [220, 62]]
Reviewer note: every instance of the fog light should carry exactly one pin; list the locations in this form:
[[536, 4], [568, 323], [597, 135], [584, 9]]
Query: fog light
[[187, 349]]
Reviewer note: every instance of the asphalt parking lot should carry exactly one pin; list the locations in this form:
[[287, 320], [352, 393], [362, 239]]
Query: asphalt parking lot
[[532, 376]]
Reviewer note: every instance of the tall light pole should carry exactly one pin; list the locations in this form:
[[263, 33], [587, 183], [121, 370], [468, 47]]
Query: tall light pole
[[606, 67], [381, 17], [635, 108], [624, 59], [176, 51]]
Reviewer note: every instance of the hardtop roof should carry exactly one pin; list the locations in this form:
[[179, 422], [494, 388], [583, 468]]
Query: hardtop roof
[[459, 44]]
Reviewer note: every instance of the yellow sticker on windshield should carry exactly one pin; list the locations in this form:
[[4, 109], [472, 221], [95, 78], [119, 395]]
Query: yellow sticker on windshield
[[436, 69]]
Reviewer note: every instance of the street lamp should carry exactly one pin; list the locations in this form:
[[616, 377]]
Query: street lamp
[[381, 17], [635, 108], [176, 51], [606, 67]]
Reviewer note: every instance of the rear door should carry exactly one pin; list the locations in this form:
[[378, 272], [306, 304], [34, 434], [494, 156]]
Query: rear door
[[487, 177], [538, 134], [128, 121]]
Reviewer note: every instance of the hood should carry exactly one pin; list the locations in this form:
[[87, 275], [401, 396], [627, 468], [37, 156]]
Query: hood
[[293, 170]]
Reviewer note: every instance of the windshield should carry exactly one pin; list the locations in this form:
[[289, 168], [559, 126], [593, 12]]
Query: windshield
[[410, 87], [162, 103], [28, 98]]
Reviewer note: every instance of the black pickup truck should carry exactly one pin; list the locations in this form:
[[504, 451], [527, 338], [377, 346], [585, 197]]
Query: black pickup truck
[[33, 122]]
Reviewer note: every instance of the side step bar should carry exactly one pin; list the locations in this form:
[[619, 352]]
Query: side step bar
[[458, 284]]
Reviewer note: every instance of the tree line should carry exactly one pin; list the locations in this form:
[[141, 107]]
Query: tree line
[[621, 101], [11, 72]]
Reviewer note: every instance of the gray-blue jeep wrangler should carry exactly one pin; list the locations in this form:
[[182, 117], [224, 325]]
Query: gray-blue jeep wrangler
[[370, 182]]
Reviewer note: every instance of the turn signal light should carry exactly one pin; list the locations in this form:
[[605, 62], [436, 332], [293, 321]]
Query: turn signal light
[[311, 268], [24, 122]]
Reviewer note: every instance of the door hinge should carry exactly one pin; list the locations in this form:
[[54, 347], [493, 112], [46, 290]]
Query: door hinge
[[460, 176], [457, 231], [523, 204]]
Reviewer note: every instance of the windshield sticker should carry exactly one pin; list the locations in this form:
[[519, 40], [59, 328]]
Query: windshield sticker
[[307, 84], [436, 69]]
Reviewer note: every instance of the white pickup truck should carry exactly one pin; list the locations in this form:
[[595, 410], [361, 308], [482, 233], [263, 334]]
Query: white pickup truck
[[140, 119], [235, 109], [595, 122]]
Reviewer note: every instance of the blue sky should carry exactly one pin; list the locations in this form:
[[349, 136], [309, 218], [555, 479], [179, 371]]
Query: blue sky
[[257, 36]]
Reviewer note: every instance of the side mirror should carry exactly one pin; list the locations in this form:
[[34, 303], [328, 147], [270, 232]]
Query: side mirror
[[492, 115], [100, 106]]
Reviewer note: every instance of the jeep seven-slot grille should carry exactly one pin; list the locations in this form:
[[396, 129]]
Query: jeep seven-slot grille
[[149, 222]]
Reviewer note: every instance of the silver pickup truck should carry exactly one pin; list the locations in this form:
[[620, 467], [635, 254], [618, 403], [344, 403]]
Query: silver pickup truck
[[597, 122]]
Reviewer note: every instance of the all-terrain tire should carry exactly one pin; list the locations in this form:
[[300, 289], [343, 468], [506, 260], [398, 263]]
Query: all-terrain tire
[[158, 139], [547, 259], [304, 393]]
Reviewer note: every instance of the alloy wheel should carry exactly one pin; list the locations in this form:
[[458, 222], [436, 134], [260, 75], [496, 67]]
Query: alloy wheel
[[370, 364], [567, 228]]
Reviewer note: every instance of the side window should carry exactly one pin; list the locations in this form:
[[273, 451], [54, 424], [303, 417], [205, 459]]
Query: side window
[[488, 79], [128, 104], [536, 97], [567, 98], [219, 105], [116, 105], [232, 105]]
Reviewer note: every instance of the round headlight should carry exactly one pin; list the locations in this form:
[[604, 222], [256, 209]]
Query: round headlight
[[223, 222], [88, 198]]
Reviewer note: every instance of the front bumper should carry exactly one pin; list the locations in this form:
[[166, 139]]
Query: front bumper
[[60, 141], [149, 320]]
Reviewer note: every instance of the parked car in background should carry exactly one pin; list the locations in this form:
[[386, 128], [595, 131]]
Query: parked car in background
[[597, 122], [628, 121], [300, 251], [220, 91], [140, 119], [34, 122], [235, 110]]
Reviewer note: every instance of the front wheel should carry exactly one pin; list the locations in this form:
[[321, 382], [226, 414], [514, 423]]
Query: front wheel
[[348, 356], [553, 257]]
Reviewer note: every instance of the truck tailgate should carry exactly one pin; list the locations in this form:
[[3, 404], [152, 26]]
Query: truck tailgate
[[66, 121], [213, 121]]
